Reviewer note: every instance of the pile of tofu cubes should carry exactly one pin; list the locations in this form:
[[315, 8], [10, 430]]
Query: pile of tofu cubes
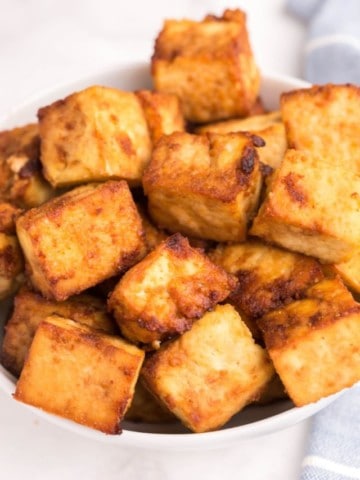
[[180, 253]]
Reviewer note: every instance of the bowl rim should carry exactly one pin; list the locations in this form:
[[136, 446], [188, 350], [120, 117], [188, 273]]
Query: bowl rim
[[147, 440]]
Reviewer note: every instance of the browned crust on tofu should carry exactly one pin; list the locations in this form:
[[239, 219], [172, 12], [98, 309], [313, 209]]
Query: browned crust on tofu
[[8, 215], [167, 291], [162, 112], [101, 371], [79, 239], [325, 303], [209, 65], [30, 308]]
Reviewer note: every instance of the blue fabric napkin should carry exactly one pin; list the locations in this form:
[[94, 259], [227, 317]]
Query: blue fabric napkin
[[332, 55], [332, 52]]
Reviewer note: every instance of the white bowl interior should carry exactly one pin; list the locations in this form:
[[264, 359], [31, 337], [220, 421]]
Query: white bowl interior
[[252, 421]]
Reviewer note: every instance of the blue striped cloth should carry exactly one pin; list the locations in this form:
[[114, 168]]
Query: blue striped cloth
[[332, 54]]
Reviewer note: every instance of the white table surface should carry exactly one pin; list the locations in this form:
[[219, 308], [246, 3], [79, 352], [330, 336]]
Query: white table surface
[[46, 42]]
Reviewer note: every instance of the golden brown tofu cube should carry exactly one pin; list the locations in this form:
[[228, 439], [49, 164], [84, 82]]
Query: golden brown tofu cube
[[268, 126], [268, 277], [349, 271], [81, 374], [21, 180], [273, 392], [30, 308], [8, 215], [209, 65], [145, 408], [325, 120], [96, 134], [153, 235], [167, 291], [209, 373], [162, 112], [311, 208], [205, 186], [81, 238], [315, 343], [11, 265]]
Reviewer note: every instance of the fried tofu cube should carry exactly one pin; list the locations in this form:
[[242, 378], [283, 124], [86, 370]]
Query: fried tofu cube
[[162, 112], [145, 408], [30, 308], [209, 65], [268, 126], [314, 343], [21, 180], [8, 215], [349, 271], [81, 374], [268, 277], [11, 265], [96, 134], [211, 372], [311, 208], [153, 235], [81, 238], [325, 120], [205, 186], [167, 291]]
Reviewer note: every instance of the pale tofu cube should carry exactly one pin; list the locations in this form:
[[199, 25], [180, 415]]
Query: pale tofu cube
[[211, 372]]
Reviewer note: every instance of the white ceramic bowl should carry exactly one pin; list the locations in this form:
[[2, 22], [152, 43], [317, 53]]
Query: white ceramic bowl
[[252, 421]]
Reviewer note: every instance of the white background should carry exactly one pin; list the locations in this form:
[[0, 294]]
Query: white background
[[47, 42]]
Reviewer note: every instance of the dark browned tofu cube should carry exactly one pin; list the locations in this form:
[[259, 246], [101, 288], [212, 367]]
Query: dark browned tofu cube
[[21, 180], [314, 343], [162, 112], [269, 277], [81, 238], [209, 373], [81, 374], [204, 186], [96, 134], [30, 308], [209, 65], [167, 291], [11, 265]]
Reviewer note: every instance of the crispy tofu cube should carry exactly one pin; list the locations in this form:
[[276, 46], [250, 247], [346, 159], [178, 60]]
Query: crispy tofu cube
[[162, 112], [325, 120], [153, 235], [145, 408], [268, 277], [11, 265], [315, 342], [8, 215], [167, 291], [268, 126], [81, 374], [205, 186], [311, 208], [273, 392], [30, 308], [81, 238], [96, 134], [211, 372], [349, 271], [21, 180], [209, 65]]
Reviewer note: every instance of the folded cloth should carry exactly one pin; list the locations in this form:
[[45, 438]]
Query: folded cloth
[[333, 48]]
